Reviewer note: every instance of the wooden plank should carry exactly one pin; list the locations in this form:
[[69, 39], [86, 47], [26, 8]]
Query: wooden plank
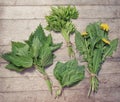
[[108, 95], [37, 83], [44, 96], [59, 2], [7, 2], [107, 68], [32, 72], [30, 84], [62, 53], [25, 27], [36, 12], [109, 80]]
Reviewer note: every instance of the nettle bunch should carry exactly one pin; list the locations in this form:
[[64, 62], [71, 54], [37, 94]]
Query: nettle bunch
[[95, 46], [59, 20], [37, 51], [68, 74]]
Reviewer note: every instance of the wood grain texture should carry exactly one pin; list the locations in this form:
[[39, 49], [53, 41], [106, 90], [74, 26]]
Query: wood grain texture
[[18, 18], [44, 96], [25, 27], [34, 83], [108, 95], [59, 2], [108, 67], [36, 12]]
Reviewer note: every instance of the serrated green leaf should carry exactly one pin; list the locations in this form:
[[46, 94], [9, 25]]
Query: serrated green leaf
[[68, 73], [46, 56], [20, 61], [39, 33], [35, 48], [54, 47], [20, 49], [14, 68]]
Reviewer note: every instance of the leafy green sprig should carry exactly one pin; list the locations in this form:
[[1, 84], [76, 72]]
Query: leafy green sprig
[[95, 46], [37, 51], [59, 20], [68, 74]]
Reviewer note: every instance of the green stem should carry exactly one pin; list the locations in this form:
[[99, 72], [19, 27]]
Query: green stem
[[66, 36], [49, 84], [59, 92], [71, 51], [46, 78], [94, 84]]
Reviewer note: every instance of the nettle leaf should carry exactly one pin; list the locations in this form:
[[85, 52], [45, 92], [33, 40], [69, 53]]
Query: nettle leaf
[[37, 51], [39, 34], [20, 61], [49, 42], [69, 73], [30, 40], [14, 68], [54, 47], [20, 49], [46, 56], [35, 47]]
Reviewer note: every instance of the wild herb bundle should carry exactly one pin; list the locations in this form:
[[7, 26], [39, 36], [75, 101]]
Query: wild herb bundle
[[59, 20], [68, 74], [37, 51], [95, 46]]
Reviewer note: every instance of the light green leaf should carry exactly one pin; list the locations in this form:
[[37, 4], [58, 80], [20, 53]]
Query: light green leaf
[[54, 47], [35, 48]]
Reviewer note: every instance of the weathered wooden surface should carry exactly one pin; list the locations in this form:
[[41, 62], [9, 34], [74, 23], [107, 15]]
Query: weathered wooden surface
[[18, 18]]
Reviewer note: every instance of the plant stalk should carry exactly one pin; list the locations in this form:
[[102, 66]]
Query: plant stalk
[[45, 76], [66, 36]]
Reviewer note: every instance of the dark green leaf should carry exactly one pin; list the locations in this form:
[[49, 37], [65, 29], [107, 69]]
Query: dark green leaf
[[20, 61], [15, 68], [20, 49], [69, 73]]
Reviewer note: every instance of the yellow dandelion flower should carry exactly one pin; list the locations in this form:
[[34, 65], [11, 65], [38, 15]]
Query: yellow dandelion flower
[[106, 41], [104, 26], [84, 33]]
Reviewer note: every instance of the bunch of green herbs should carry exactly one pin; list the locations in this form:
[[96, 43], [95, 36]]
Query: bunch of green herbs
[[68, 74], [37, 51], [95, 46], [59, 20]]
